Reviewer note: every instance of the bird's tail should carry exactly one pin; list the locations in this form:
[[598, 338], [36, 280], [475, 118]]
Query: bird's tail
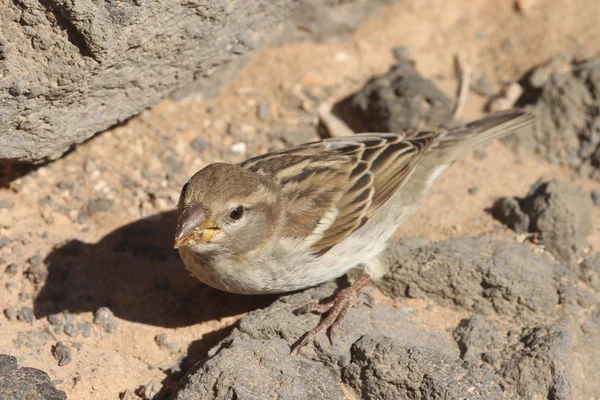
[[465, 138]]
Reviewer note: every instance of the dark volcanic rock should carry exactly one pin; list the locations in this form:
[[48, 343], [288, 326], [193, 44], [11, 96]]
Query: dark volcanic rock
[[529, 347], [383, 368], [565, 96], [72, 69], [478, 274], [25, 383], [399, 100], [559, 212]]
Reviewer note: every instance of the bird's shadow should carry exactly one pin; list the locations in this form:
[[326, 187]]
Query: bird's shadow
[[135, 272]]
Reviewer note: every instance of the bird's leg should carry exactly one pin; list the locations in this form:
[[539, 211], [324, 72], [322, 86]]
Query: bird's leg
[[337, 310]]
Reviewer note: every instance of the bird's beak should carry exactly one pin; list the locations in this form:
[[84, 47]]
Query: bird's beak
[[194, 227]]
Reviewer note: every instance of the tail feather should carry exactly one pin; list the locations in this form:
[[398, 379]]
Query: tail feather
[[477, 133]]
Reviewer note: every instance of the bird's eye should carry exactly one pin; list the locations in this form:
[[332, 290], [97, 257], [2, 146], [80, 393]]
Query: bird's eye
[[237, 213]]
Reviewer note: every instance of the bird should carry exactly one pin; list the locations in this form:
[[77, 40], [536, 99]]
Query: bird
[[298, 217]]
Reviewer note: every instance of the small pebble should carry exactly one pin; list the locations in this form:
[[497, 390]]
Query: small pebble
[[473, 190], [89, 166], [596, 198], [85, 329], [66, 185], [35, 260], [11, 313], [150, 390], [26, 314], [5, 242], [163, 341], [106, 319], [263, 112], [6, 204], [82, 217], [71, 329], [24, 296], [62, 353], [12, 269], [239, 148], [199, 144], [480, 154], [55, 319], [100, 205]]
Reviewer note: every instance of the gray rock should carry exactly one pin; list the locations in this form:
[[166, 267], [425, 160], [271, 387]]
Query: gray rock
[[589, 271], [537, 342], [384, 368], [561, 214], [25, 383], [508, 210], [540, 364], [328, 21], [11, 313], [263, 112], [565, 97], [162, 339], [100, 205], [397, 101], [72, 70], [26, 314], [199, 144], [479, 274], [11, 269], [596, 198], [105, 318], [557, 211], [264, 339], [62, 353]]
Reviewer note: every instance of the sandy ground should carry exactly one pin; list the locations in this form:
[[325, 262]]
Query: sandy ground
[[94, 228]]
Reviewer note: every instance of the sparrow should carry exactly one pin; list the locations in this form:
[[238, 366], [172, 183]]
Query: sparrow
[[298, 217]]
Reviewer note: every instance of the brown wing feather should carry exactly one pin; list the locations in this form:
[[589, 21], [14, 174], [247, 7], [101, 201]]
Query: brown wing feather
[[334, 186]]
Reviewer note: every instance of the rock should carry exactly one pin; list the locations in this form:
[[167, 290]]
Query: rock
[[106, 319], [163, 341], [62, 353], [11, 269], [328, 21], [508, 210], [100, 205], [561, 214], [482, 86], [263, 112], [397, 101], [115, 60], [558, 64], [383, 368], [540, 364], [11, 313], [150, 390], [199, 144], [264, 338], [536, 343], [589, 271], [596, 198], [554, 209], [70, 329], [26, 314], [25, 383], [565, 96], [479, 274]]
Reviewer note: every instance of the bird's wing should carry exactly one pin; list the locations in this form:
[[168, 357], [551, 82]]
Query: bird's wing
[[335, 185]]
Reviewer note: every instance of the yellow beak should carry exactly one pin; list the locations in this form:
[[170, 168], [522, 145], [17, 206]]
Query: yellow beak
[[194, 227]]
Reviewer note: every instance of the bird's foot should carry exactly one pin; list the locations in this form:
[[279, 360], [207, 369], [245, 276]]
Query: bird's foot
[[337, 310]]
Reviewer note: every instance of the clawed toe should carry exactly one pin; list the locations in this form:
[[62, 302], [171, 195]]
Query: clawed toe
[[337, 310]]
